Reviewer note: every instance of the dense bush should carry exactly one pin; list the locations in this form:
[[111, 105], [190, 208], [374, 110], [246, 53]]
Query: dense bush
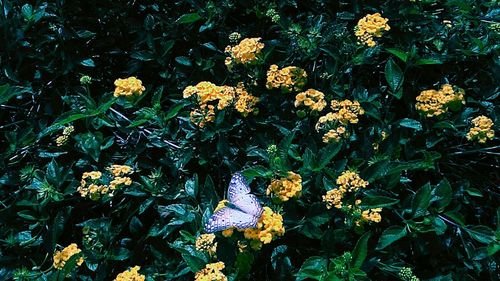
[[384, 170]]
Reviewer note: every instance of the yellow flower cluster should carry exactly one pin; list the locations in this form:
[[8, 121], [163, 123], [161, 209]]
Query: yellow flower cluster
[[211, 272], [248, 50], [245, 103], [290, 78], [131, 275], [270, 225], [206, 243], [311, 98], [348, 181], [344, 112], [370, 26], [333, 198], [62, 139], [208, 94], [61, 257], [202, 115], [286, 188], [482, 130], [434, 103], [334, 135], [371, 215], [93, 187], [128, 87]]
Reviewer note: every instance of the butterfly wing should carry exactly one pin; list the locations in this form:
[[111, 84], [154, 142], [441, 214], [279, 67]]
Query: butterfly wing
[[229, 217], [237, 187], [249, 204]]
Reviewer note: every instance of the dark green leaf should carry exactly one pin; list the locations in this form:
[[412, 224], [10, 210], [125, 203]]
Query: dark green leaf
[[391, 235]]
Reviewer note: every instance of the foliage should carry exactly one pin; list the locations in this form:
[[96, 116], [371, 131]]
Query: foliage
[[436, 190]]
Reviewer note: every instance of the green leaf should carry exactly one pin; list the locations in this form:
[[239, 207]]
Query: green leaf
[[27, 11], [421, 201], [135, 226], [326, 154], [372, 202], [188, 18], [428, 61], [6, 93], [88, 63], [244, 263], [394, 77], [183, 60], [142, 55], [481, 233], [360, 251], [174, 110], [191, 186], [410, 123], [402, 55], [313, 267], [442, 195], [391, 235], [195, 263]]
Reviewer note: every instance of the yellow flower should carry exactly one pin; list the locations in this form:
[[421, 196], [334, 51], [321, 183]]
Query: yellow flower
[[335, 135], [288, 79], [202, 115], [370, 26], [270, 225], [211, 272], [128, 87], [61, 140], [482, 130], [120, 170], [436, 102], [286, 188], [117, 181], [221, 204], [95, 175], [248, 50], [131, 274], [228, 232], [61, 257], [206, 243], [333, 198], [372, 215], [344, 112], [311, 98], [245, 102], [350, 181]]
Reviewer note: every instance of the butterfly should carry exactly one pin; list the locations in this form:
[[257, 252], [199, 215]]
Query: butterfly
[[243, 211]]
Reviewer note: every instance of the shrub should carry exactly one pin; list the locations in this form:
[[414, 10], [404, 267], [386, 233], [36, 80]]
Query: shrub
[[367, 130]]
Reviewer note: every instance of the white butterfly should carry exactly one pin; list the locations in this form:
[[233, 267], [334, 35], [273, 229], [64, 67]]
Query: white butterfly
[[244, 209]]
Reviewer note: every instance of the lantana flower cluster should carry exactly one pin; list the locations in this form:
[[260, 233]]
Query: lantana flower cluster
[[94, 186], [206, 243], [61, 257], [349, 182], [131, 274], [287, 187], [436, 102], [63, 139], [211, 272], [482, 129], [369, 27], [209, 95], [128, 87], [290, 78], [311, 98], [269, 226], [247, 51], [335, 123]]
